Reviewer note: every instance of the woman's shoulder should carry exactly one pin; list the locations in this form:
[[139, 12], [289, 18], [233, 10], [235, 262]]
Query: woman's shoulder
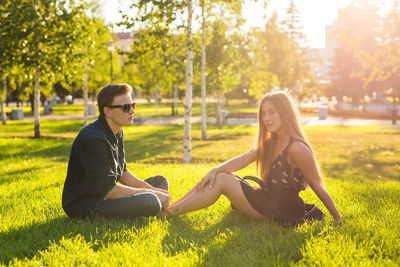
[[299, 153], [298, 148]]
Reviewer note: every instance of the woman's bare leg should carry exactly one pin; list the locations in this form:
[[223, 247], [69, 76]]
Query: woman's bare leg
[[190, 192], [225, 184]]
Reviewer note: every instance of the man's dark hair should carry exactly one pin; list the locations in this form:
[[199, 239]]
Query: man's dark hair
[[106, 95]]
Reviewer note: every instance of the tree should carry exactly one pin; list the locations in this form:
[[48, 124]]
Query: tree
[[203, 70], [222, 49], [10, 47], [270, 52], [234, 6], [221, 76], [159, 17], [189, 85], [161, 68], [48, 31], [382, 67], [90, 72], [356, 37], [299, 67]]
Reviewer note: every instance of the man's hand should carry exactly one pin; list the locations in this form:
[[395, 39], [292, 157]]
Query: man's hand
[[164, 198]]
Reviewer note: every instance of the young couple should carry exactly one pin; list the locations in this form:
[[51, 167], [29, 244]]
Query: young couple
[[284, 158]]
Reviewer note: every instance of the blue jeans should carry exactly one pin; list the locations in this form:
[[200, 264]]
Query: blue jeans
[[138, 205]]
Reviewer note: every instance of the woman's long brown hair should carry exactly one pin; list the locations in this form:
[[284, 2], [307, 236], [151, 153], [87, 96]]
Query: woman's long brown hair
[[266, 141]]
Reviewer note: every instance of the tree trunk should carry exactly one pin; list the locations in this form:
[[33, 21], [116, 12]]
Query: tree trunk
[[176, 99], [394, 110], [36, 92], [156, 96], [189, 83], [203, 75], [85, 97], [218, 113], [3, 101], [36, 103]]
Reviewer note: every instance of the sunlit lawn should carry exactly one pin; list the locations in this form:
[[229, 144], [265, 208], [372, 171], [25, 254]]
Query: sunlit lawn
[[360, 165], [149, 109], [57, 109]]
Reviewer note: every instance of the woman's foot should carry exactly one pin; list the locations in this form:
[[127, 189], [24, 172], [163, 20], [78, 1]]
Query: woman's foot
[[166, 212]]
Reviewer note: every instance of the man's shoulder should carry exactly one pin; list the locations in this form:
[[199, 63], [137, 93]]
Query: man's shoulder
[[93, 131]]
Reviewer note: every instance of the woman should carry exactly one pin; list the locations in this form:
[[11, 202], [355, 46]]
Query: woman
[[285, 162]]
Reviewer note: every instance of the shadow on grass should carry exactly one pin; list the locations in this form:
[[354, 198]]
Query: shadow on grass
[[19, 175], [30, 240], [56, 149], [169, 160], [156, 142], [62, 126], [25, 129], [373, 163], [150, 144], [236, 240]]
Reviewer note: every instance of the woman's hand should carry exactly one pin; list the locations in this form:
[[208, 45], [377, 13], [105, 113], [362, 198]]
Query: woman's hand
[[207, 180], [338, 221]]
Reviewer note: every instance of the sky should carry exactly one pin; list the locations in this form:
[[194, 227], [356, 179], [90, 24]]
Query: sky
[[315, 15]]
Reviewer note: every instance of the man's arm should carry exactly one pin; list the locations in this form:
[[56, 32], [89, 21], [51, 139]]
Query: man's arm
[[120, 191], [129, 179], [131, 185]]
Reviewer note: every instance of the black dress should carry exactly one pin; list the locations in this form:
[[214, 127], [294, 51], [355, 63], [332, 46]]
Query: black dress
[[279, 198]]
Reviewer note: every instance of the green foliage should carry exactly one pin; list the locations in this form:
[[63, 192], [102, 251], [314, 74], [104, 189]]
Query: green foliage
[[161, 67], [271, 60], [221, 76], [380, 68], [356, 37], [66, 38], [300, 82], [159, 48], [361, 172], [48, 32]]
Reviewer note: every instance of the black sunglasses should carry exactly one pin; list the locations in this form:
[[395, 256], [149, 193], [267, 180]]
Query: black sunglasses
[[125, 107]]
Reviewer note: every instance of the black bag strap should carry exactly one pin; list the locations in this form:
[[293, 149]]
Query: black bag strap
[[252, 178]]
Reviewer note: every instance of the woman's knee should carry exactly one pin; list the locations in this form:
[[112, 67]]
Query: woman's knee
[[223, 179]]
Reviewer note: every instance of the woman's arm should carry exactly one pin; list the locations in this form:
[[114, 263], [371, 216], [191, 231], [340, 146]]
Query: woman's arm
[[300, 156], [234, 164]]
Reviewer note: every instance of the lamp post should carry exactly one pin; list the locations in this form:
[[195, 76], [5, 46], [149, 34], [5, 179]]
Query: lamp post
[[110, 49]]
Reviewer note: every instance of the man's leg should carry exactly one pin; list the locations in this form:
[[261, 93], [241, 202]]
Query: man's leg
[[139, 205], [158, 181]]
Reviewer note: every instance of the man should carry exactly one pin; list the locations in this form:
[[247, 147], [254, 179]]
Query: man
[[97, 163]]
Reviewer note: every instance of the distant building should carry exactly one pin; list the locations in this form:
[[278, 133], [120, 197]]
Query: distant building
[[322, 57], [320, 64], [125, 40]]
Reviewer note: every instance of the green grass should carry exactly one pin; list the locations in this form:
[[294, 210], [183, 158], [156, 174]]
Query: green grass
[[149, 109], [361, 170], [56, 110], [164, 109]]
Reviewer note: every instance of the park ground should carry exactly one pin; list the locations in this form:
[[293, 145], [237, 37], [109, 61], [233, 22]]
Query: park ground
[[238, 112], [361, 170]]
